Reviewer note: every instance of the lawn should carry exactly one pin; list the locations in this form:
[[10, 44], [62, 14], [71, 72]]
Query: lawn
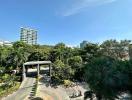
[[4, 91]]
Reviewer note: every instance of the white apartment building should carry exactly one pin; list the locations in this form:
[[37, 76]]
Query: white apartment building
[[5, 43]]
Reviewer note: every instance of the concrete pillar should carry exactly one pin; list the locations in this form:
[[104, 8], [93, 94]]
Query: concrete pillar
[[38, 69], [23, 74], [50, 70], [26, 69]]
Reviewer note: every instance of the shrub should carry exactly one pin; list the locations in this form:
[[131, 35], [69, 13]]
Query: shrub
[[67, 83]]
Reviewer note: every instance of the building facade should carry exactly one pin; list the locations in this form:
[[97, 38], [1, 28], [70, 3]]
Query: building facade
[[5, 43], [83, 44], [28, 36], [130, 51]]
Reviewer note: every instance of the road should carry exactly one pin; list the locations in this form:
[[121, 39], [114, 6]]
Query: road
[[23, 91]]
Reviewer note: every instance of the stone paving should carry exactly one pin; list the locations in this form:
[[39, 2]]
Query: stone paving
[[47, 92]]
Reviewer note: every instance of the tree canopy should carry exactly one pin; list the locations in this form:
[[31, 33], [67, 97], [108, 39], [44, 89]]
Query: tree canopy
[[106, 67]]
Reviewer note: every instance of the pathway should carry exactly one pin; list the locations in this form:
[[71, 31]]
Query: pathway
[[49, 93]]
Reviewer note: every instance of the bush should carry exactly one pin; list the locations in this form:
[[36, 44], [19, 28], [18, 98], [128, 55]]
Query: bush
[[4, 91], [67, 83], [37, 98]]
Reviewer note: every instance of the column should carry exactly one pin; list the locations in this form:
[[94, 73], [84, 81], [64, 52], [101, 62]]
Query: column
[[50, 70], [24, 74], [38, 70], [50, 74]]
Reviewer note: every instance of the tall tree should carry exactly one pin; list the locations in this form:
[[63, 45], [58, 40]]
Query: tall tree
[[90, 51], [76, 64], [61, 71], [58, 52], [115, 49], [19, 55], [102, 78], [4, 53]]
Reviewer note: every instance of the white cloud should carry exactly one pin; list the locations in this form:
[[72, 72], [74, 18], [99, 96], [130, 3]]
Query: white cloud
[[80, 5]]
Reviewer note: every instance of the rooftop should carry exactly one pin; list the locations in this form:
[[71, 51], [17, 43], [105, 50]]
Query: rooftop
[[37, 62]]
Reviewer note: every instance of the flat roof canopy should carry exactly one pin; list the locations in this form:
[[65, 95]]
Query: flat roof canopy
[[37, 62]]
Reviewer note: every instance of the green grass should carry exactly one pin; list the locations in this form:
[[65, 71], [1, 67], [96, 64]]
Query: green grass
[[5, 92]]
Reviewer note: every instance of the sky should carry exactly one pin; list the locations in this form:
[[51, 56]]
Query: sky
[[68, 21]]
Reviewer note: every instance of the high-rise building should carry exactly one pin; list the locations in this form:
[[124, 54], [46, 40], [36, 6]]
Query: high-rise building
[[28, 36], [83, 44]]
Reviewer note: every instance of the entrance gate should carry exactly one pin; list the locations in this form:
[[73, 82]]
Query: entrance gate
[[36, 63]]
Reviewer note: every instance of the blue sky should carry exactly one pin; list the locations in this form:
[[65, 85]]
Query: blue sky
[[68, 21]]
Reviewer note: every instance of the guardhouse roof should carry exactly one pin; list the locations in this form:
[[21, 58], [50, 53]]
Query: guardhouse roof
[[37, 62]]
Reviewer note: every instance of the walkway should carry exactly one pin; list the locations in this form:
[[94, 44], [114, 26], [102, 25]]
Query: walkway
[[49, 93]]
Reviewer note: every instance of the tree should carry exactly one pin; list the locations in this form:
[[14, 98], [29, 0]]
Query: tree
[[58, 52], [89, 51], [76, 64], [115, 49], [19, 55], [109, 48], [76, 51], [102, 77], [60, 48], [68, 53], [4, 53], [124, 74], [129, 73], [61, 71], [35, 56], [19, 44]]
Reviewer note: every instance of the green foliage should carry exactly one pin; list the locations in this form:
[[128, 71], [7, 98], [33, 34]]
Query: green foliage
[[115, 49], [37, 98], [61, 71], [58, 52], [40, 53], [90, 51], [58, 64], [104, 71], [130, 51], [18, 55], [67, 83], [35, 56], [5, 77], [108, 77], [75, 62], [4, 53], [101, 78], [61, 52], [77, 67], [8, 82], [5, 91], [58, 70]]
